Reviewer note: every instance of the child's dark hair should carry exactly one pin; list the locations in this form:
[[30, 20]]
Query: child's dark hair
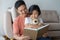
[[34, 7], [19, 3]]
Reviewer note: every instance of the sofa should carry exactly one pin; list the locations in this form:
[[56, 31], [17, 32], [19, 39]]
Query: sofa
[[49, 17]]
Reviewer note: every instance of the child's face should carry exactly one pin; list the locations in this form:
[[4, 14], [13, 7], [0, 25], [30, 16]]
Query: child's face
[[35, 14], [22, 10]]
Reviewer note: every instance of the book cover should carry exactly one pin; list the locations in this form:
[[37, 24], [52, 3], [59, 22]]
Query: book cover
[[34, 33]]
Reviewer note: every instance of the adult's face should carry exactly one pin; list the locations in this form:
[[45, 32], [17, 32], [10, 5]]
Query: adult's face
[[22, 10]]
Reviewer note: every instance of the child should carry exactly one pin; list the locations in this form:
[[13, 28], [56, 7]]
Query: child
[[33, 21], [18, 24]]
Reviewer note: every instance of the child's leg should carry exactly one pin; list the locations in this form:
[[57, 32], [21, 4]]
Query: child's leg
[[44, 37]]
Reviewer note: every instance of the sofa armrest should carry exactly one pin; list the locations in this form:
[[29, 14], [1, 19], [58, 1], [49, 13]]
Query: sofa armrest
[[8, 24], [59, 19], [54, 29]]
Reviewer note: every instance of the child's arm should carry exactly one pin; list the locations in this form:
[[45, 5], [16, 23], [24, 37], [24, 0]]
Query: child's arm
[[31, 26], [41, 22], [28, 24]]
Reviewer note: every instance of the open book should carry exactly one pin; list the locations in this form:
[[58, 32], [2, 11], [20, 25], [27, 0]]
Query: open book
[[36, 29], [34, 33]]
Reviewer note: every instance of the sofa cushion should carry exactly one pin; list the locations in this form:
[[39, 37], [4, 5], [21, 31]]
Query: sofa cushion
[[54, 26], [59, 19], [8, 25], [13, 12], [49, 16], [54, 33]]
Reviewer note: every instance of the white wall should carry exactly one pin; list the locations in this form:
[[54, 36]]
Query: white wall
[[44, 5], [4, 4]]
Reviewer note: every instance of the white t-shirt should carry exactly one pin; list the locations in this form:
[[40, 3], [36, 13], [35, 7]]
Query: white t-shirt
[[28, 20]]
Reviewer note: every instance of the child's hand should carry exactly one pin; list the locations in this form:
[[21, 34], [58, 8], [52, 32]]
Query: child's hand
[[32, 26], [35, 26], [45, 35], [40, 24]]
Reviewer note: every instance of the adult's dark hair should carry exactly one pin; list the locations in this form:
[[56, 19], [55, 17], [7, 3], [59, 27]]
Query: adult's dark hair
[[19, 3], [19, 0], [34, 7]]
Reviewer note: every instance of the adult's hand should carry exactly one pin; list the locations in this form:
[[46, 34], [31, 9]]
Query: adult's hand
[[25, 37], [22, 37]]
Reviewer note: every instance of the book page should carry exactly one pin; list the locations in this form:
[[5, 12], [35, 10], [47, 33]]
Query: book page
[[36, 29]]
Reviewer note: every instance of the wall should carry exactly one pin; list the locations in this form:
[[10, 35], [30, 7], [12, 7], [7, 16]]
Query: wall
[[4, 4], [45, 4]]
